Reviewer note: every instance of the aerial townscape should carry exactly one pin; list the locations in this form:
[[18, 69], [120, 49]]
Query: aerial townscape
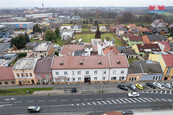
[[86, 60]]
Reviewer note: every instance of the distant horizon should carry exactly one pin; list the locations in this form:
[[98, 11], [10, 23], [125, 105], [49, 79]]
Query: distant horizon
[[9, 4]]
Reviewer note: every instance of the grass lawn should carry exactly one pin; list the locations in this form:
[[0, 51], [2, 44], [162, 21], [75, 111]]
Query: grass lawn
[[8, 92], [85, 30], [131, 60], [88, 37]]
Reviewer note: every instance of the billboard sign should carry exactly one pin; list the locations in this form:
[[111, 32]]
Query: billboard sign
[[156, 9], [21, 25]]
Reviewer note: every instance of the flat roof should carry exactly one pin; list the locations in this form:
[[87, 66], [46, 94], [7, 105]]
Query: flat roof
[[42, 46]]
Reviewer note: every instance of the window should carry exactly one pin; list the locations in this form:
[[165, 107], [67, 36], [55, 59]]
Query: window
[[72, 72], [122, 78], [28, 81], [0, 83], [38, 75], [73, 79], [57, 73], [114, 71], [122, 71], [95, 78], [79, 78], [26, 74], [30, 74], [104, 72], [6, 83], [168, 71], [113, 78], [65, 73], [18, 75], [79, 72], [47, 75], [103, 78], [87, 72], [22, 74], [12, 82], [95, 72]]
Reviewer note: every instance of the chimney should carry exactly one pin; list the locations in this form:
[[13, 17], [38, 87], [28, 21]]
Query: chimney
[[99, 62]]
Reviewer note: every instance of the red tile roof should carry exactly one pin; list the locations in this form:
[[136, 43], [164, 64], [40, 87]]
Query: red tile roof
[[168, 58], [167, 46], [132, 25], [153, 47], [109, 49], [6, 73], [135, 38], [69, 49], [90, 62]]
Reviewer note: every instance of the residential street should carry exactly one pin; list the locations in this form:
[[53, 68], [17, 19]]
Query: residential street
[[81, 103]]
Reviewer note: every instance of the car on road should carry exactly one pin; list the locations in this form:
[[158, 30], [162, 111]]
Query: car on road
[[34, 109], [167, 85], [123, 87], [127, 112], [133, 87], [151, 85], [139, 86], [134, 94], [158, 85]]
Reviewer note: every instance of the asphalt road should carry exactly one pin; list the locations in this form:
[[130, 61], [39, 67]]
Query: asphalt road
[[80, 103]]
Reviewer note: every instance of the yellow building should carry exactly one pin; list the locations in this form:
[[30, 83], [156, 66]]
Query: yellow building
[[166, 63], [23, 71]]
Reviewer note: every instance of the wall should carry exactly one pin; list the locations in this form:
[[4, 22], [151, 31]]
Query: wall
[[152, 77], [2, 83]]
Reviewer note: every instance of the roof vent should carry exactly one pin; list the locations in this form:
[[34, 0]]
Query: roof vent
[[81, 62], [118, 61], [61, 63], [99, 62]]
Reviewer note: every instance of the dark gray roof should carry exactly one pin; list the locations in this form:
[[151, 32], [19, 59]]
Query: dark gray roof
[[156, 37], [43, 65], [121, 48], [128, 51], [4, 46], [142, 66], [79, 52], [159, 29]]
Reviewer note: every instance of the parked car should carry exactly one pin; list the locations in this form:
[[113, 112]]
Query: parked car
[[73, 90], [158, 85], [139, 86], [151, 85], [133, 87], [34, 109], [123, 87], [167, 85], [134, 94], [127, 112]]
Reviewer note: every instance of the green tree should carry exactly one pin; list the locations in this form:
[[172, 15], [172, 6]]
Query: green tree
[[19, 41], [96, 23], [98, 34], [57, 32], [50, 35], [36, 28]]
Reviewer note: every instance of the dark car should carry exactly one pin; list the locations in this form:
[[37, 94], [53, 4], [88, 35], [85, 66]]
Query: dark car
[[151, 85], [127, 112], [73, 90], [133, 87], [123, 87]]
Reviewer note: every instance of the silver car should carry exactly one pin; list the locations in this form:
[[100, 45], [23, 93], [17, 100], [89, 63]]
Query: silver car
[[167, 85]]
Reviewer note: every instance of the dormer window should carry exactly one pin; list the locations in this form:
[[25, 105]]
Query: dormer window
[[99, 62], [81, 62], [118, 61], [61, 63]]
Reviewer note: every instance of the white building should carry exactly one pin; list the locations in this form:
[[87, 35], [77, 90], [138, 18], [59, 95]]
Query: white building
[[66, 35], [109, 68]]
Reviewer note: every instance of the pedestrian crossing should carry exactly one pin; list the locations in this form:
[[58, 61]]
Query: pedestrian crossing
[[123, 101], [159, 91]]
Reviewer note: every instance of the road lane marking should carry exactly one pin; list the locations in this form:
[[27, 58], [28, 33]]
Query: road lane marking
[[137, 100], [6, 105], [169, 99], [152, 99], [72, 104], [17, 102], [63, 100], [83, 103], [99, 99], [94, 103], [161, 92], [142, 99], [99, 103], [76, 100], [158, 99], [104, 102], [147, 99], [113, 101], [52, 100], [89, 103], [29, 101], [118, 101], [164, 100], [128, 100], [77, 104], [123, 101], [132, 100], [109, 102]]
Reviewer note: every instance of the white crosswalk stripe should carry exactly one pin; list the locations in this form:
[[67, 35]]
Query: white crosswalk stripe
[[123, 101], [169, 99], [147, 99], [83, 103], [164, 100], [89, 103], [94, 103], [137, 100], [142, 99], [161, 92], [99, 103], [152, 99], [109, 102], [158, 99], [165, 92], [118, 101], [132, 100], [113, 101], [128, 100], [104, 102]]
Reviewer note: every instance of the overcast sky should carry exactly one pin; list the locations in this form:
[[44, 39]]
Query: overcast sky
[[82, 3]]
